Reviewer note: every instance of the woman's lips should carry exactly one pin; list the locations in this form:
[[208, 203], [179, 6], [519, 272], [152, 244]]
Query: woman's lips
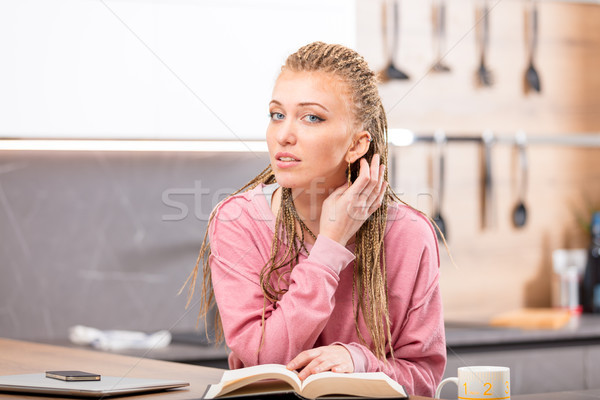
[[286, 164], [286, 160]]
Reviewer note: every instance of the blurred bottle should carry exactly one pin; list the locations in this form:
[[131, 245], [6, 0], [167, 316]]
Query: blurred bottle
[[590, 287], [568, 267]]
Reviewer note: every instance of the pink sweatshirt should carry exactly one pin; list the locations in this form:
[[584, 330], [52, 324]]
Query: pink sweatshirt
[[317, 308]]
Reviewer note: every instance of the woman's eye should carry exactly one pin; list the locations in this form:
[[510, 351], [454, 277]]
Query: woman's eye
[[276, 115], [313, 118]]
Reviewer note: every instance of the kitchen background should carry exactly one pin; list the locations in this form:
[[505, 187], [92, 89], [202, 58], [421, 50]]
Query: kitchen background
[[106, 238], [499, 268]]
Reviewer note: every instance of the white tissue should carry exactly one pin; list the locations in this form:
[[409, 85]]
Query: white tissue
[[117, 339]]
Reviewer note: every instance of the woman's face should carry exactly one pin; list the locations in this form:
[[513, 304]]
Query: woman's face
[[310, 130]]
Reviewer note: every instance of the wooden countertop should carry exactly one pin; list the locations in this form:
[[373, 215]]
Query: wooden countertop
[[18, 357]]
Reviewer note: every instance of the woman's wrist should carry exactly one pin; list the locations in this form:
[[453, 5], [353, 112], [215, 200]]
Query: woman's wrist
[[329, 253], [335, 237]]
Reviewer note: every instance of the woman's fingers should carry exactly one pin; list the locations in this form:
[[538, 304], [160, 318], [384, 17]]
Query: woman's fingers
[[326, 358], [368, 187], [303, 359], [314, 367], [375, 163], [344, 367], [379, 200], [362, 180], [371, 173], [310, 360], [375, 193]]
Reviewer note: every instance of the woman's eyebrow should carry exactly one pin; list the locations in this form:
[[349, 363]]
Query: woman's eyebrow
[[306, 103], [313, 104]]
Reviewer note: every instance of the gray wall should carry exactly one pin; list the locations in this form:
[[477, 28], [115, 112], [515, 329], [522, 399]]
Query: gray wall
[[105, 239]]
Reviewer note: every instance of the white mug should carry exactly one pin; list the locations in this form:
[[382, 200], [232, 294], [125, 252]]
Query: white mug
[[480, 383]]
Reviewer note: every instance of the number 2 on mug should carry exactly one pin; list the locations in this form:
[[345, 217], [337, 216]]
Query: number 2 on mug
[[489, 388]]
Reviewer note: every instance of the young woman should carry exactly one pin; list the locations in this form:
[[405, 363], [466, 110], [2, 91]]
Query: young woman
[[316, 263]]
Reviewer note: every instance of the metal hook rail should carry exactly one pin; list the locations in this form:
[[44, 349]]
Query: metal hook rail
[[405, 137]]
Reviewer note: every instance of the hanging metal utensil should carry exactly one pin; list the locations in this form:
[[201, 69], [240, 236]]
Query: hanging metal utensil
[[438, 16], [482, 14], [532, 78], [520, 210], [487, 195], [391, 71], [440, 140]]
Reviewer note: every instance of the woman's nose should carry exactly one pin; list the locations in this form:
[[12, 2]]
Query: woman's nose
[[286, 134]]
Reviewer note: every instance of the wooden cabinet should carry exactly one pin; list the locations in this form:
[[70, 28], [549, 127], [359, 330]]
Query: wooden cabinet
[[540, 361], [537, 369], [592, 367]]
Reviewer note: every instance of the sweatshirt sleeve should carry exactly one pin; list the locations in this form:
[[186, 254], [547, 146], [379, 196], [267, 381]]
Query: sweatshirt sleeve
[[237, 257], [418, 333]]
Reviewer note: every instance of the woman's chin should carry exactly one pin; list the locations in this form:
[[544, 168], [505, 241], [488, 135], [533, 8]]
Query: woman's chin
[[287, 183], [287, 180]]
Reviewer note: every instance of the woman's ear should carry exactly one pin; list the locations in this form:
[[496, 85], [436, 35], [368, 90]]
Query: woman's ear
[[359, 147]]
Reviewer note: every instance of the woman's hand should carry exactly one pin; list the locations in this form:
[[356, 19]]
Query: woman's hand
[[326, 358], [347, 208]]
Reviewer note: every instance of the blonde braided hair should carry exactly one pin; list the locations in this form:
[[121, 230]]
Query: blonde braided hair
[[370, 295]]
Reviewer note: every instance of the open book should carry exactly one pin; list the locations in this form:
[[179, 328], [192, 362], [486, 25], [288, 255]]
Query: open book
[[275, 378]]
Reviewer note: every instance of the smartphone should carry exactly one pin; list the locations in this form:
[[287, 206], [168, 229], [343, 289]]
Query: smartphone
[[72, 376]]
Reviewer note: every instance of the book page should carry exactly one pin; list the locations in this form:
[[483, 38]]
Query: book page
[[260, 388], [235, 379], [373, 384]]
